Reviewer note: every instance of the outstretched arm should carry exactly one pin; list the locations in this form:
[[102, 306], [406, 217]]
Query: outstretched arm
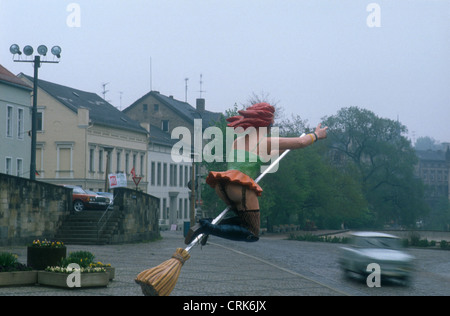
[[285, 143]]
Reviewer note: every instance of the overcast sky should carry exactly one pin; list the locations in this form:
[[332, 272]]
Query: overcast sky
[[311, 56]]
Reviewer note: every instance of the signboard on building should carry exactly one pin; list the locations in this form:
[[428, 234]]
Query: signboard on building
[[117, 180]]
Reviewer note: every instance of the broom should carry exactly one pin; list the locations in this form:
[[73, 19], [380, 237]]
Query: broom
[[161, 280]]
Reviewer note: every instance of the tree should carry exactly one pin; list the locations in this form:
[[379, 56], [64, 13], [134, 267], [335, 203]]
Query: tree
[[427, 143], [376, 153]]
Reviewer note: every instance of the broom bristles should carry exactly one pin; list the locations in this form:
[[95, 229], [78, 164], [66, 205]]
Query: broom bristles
[[161, 280]]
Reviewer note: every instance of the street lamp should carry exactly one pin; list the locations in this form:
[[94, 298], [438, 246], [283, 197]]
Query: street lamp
[[28, 51]]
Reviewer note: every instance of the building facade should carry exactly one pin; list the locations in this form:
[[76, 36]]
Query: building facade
[[15, 124], [168, 179], [169, 173], [81, 138], [434, 170]]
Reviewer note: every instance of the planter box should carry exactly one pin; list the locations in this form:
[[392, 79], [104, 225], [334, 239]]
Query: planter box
[[60, 279], [18, 278], [41, 258], [111, 271]]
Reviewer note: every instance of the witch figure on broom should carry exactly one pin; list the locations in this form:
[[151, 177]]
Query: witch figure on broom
[[236, 186]]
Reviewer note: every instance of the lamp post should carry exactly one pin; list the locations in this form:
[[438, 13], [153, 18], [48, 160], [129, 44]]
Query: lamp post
[[28, 51]]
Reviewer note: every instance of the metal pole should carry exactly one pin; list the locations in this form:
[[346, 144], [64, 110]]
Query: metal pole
[[37, 64], [192, 215]]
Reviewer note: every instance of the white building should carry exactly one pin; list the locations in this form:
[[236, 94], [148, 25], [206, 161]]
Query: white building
[[15, 125], [168, 179]]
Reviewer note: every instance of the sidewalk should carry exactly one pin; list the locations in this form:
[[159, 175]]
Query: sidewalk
[[214, 270]]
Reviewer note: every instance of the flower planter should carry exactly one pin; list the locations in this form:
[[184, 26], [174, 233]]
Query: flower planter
[[18, 278], [111, 271], [42, 257], [57, 279]]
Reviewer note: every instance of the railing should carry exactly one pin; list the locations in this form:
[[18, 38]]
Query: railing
[[107, 215]]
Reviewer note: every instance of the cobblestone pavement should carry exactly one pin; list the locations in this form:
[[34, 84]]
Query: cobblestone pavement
[[214, 270]]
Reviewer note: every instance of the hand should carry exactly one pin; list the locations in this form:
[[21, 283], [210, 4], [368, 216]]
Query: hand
[[321, 132]]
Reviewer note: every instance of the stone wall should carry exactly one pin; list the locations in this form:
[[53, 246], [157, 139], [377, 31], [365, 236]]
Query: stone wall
[[139, 212], [30, 209]]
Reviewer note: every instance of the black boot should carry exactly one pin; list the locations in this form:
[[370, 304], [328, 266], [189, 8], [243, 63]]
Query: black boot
[[232, 232], [233, 220], [196, 230]]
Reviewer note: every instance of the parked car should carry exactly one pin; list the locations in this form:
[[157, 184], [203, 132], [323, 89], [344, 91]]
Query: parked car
[[83, 199], [110, 196], [383, 249]]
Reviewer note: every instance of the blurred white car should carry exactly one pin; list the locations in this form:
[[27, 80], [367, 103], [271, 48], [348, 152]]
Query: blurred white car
[[383, 249]]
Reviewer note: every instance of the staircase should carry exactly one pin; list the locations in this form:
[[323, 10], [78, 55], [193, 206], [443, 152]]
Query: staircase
[[88, 228]]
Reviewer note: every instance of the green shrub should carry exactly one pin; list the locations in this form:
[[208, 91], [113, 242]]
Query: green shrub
[[414, 239], [311, 237], [9, 263], [82, 258]]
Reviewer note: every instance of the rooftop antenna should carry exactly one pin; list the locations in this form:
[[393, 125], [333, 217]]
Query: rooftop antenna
[[120, 107], [201, 84], [151, 88], [104, 90], [186, 89]]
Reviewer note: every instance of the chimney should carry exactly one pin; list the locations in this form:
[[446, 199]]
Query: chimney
[[83, 117], [201, 105]]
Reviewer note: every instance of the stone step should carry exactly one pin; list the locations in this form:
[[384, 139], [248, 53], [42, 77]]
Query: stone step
[[82, 228]]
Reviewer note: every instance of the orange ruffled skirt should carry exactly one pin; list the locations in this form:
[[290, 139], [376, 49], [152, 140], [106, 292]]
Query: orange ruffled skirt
[[233, 176]]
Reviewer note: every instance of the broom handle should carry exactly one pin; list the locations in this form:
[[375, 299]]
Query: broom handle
[[225, 211]]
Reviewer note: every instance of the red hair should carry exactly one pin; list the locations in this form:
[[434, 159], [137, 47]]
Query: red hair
[[258, 115]]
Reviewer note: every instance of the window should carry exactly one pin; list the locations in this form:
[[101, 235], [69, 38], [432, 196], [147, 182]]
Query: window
[[40, 123], [165, 125], [8, 165], [175, 178], [165, 174], [108, 161], [100, 160], [91, 159], [119, 162], [19, 166], [127, 163], [20, 124], [152, 173], [156, 107], [158, 175], [9, 122], [181, 176], [64, 159], [144, 107]]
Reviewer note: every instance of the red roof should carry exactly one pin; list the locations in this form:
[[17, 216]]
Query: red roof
[[7, 76]]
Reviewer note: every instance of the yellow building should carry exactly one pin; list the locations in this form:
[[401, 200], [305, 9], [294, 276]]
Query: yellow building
[[81, 138]]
